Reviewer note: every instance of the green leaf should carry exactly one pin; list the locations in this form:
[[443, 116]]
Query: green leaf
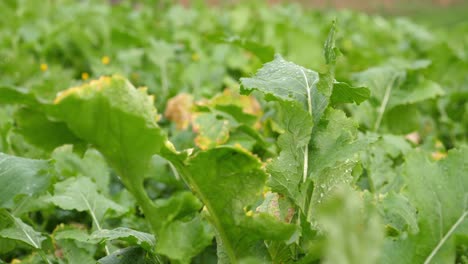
[[120, 121], [14, 228], [287, 170], [69, 232], [15, 95], [330, 51], [264, 52], [344, 93], [229, 182], [81, 194], [182, 234], [381, 163], [353, 229], [133, 237], [92, 165], [393, 85], [179, 206], [212, 130], [333, 155], [74, 253], [284, 80], [438, 191], [22, 176], [182, 240], [130, 255], [38, 130], [398, 214]]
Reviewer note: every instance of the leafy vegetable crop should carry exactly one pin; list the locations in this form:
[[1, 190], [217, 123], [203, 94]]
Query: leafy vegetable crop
[[197, 142]]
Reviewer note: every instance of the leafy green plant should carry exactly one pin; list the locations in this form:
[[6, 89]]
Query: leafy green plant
[[351, 163]]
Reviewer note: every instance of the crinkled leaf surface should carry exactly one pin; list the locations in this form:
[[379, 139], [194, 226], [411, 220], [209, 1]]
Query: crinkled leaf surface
[[287, 170], [22, 176], [333, 155], [439, 192], [286, 81], [14, 228], [283, 80]]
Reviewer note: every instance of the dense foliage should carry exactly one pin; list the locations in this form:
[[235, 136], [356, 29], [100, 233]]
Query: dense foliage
[[256, 134]]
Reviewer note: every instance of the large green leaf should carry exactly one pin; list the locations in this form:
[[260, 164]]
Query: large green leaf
[[229, 181], [439, 193], [14, 228], [22, 176], [120, 121]]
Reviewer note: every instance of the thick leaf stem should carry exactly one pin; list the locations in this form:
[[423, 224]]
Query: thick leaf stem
[[306, 149]]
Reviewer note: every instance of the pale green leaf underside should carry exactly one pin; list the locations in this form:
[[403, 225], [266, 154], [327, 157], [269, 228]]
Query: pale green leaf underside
[[21, 176], [14, 228], [81, 194]]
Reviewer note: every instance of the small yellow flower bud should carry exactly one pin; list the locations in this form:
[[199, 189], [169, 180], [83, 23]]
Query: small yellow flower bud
[[105, 60], [85, 76], [195, 57], [44, 67]]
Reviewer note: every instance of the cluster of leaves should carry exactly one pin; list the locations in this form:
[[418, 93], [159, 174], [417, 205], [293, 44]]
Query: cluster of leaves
[[362, 161]]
